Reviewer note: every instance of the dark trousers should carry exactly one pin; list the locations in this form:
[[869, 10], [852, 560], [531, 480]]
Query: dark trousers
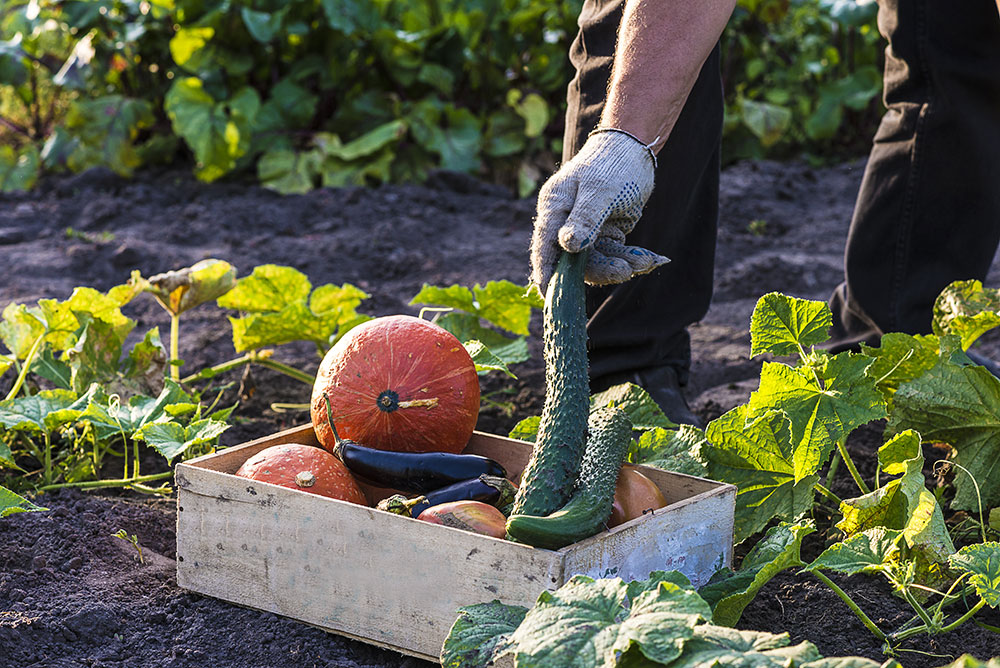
[[643, 323], [928, 211]]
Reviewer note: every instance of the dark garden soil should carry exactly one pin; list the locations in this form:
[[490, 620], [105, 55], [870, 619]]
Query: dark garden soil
[[71, 595]]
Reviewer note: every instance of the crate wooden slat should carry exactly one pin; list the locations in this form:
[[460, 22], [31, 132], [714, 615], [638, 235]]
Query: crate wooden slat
[[397, 582]]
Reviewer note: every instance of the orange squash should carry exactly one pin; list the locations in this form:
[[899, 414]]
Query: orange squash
[[635, 494], [397, 383], [306, 468]]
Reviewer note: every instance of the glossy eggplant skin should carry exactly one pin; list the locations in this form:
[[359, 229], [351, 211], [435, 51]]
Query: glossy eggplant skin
[[413, 472], [496, 491]]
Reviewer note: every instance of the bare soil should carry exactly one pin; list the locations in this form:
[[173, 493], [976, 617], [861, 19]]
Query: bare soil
[[71, 595]]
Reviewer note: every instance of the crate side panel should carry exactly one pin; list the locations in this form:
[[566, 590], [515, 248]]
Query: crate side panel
[[695, 538], [351, 569]]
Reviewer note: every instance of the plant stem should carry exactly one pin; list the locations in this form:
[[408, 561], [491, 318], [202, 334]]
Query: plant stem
[[19, 382], [175, 370], [95, 484], [832, 471], [48, 457], [876, 631], [919, 609], [828, 494], [842, 449], [964, 618], [255, 357]]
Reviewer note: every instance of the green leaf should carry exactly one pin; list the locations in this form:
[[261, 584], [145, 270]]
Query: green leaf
[[867, 552], [105, 131], [966, 309], [188, 41], [467, 327], [288, 172], [640, 407], [485, 360], [262, 26], [281, 309], [95, 356], [6, 362], [782, 325], [11, 503], [821, 417], [453, 134], [64, 319], [526, 429], [269, 287], [903, 504], [18, 170], [501, 303], [534, 110], [756, 456], [48, 367], [769, 122], [719, 646], [969, 661], [480, 634], [367, 144], [171, 439], [110, 418], [958, 405], [147, 361], [183, 289], [43, 412], [670, 449], [730, 592], [848, 662], [982, 562], [589, 622], [217, 131], [900, 358]]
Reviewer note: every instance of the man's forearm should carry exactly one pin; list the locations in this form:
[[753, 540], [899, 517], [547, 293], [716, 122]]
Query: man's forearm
[[662, 45]]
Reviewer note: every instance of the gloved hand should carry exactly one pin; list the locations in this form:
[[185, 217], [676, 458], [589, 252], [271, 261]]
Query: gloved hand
[[593, 201]]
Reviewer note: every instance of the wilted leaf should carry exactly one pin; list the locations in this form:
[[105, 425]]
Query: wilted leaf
[[966, 309], [178, 291], [865, 552]]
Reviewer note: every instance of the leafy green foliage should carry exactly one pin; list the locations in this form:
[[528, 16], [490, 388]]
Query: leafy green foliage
[[280, 306], [11, 503], [783, 326], [757, 456], [800, 76], [982, 563], [729, 592], [869, 551], [958, 404], [606, 623]]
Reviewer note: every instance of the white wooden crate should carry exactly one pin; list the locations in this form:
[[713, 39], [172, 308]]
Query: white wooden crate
[[395, 581]]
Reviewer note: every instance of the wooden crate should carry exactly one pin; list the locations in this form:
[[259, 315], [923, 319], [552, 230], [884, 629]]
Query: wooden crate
[[397, 582]]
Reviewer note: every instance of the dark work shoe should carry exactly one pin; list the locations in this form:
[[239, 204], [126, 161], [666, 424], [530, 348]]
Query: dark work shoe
[[662, 385], [984, 361]]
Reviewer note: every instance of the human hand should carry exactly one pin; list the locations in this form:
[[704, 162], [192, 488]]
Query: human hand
[[593, 201]]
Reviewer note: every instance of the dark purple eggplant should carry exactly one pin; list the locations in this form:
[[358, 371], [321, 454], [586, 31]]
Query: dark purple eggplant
[[413, 472], [494, 490]]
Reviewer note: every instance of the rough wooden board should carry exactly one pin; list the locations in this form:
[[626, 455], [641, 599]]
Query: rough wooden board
[[397, 582], [343, 567]]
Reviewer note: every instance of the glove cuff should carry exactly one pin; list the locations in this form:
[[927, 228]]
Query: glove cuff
[[648, 147]]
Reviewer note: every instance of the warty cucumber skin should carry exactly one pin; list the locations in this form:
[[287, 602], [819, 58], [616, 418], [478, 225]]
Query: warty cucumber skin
[[590, 505], [551, 473]]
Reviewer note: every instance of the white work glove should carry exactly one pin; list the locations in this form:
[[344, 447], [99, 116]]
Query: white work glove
[[593, 201]]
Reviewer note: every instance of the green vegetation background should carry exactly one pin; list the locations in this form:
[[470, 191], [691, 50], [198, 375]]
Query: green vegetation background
[[308, 93]]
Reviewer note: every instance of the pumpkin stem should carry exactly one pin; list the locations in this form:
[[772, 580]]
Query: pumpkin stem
[[329, 419], [417, 403]]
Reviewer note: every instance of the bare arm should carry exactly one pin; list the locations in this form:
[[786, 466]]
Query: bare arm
[[662, 45]]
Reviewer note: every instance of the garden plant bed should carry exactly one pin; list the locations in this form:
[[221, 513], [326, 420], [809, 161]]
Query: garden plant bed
[[71, 594]]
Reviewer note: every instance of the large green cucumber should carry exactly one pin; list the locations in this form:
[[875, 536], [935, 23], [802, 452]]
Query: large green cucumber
[[590, 506], [551, 473]]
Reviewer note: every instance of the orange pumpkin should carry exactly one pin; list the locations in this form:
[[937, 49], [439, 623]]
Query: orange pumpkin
[[398, 383], [306, 468]]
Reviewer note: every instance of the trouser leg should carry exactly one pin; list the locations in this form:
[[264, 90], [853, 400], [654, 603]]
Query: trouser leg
[[928, 211], [643, 323]]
